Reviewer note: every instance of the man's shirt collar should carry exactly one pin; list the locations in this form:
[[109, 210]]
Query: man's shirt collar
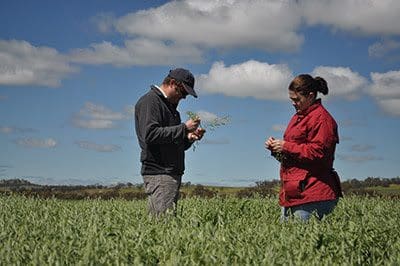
[[163, 93]]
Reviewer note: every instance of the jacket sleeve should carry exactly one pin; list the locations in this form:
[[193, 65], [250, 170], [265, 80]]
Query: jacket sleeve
[[188, 143], [149, 117], [320, 143]]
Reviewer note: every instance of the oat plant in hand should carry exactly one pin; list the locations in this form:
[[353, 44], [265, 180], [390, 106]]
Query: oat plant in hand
[[280, 157], [209, 125]]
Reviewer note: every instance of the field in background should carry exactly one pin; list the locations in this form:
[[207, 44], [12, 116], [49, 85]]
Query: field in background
[[391, 190]]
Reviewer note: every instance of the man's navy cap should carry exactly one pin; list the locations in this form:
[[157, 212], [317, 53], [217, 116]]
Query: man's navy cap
[[184, 76]]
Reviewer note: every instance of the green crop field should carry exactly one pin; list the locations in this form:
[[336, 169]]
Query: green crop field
[[217, 231]]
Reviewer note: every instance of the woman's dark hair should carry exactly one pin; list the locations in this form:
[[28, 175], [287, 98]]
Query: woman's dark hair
[[304, 84]]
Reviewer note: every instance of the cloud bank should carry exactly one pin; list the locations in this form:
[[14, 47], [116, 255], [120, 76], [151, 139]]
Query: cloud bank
[[249, 79], [151, 37], [89, 145], [265, 81], [384, 48], [12, 129], [95, 116], [386, 92], [36, 143], [218, 24], [343, 81], [270, 81], [272, 26], [24, 64], [363, 17], [139, 52]]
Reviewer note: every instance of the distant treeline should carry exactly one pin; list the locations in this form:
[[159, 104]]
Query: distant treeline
[[371, 186]]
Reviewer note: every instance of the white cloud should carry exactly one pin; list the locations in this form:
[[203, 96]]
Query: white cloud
[[385, 85], [267, 25], [37, 143], [93, 123], [342, 81], [12, 129], [385, 90], [103, 22], [195, 25], [358, 159], [383, 48], [370, 17], [182, 31], [346, 138], [88, 145], [139, 51], [6, 130], [95, 116], [352, 123], [278, 128], [101, 112], [362, 147], [249, 79], [24, 64], [390, 106]]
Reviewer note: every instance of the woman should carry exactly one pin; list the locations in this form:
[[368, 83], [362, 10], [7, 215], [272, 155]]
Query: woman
[[309, 182]]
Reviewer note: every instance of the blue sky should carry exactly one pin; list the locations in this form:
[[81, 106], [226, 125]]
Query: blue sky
[[71, 72]]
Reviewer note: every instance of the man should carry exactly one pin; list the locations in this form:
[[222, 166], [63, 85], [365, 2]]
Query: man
[[163, 139]]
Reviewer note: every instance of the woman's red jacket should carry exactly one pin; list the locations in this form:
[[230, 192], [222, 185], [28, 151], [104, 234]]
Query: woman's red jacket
[[307, 173]]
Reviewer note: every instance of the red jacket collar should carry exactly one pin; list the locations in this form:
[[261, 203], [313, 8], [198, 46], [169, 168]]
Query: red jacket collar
[[312, 107]]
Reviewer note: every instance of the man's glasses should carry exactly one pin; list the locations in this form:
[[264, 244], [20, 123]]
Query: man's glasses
[[182, 89]]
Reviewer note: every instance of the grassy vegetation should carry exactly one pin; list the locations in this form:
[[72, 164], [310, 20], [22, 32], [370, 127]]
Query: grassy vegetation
[[217, 231]]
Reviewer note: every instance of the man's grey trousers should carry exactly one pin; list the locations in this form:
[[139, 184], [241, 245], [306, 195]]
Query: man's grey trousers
[[162, 192]]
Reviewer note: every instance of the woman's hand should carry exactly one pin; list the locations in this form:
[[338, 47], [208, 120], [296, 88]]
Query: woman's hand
[[268, 143], [274, 145]]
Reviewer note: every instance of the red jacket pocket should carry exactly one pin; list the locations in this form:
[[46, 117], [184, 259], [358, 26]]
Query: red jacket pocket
[[292, 182], [291, 190]]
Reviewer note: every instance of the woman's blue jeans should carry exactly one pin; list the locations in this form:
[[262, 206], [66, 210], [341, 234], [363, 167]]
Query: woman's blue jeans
[[305, 211]]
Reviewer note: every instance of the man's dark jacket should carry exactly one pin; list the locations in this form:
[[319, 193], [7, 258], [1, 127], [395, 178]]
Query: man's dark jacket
[[161, 135]]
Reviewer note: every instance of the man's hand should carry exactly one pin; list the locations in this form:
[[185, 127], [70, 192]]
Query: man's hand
[[197, 134], [192, 124]]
